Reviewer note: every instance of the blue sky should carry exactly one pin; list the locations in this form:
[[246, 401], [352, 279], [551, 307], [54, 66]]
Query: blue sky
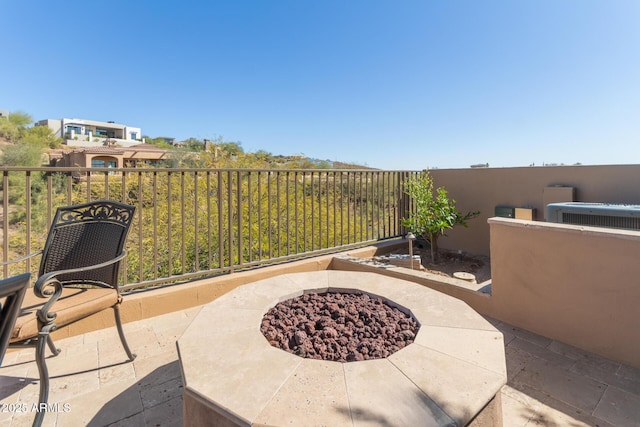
[[392, 84]]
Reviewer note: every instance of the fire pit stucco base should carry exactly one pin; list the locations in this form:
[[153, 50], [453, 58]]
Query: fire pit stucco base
[[450, 376]]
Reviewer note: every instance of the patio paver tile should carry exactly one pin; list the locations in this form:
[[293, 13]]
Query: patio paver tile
[[540, 409], [606, 371], [507, 330], [517, 412], [578, 391], [102, 407], [158, 393], [64, 388], [136, 420], [101, 335], [12, 380], [516, 360], [26, 420], [531, 337], [541, 352], [119, 373], [146, 366], [567, 350], [561, 415], [629, 372], [169, 414], [619, 407]]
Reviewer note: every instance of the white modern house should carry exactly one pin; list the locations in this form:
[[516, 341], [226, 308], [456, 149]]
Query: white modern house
[[92, 133]]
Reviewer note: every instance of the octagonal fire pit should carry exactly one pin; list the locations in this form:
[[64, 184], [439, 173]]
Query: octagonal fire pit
[[449, 373]]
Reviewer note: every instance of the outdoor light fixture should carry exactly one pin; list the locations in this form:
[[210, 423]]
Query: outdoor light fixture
[[411, 237]]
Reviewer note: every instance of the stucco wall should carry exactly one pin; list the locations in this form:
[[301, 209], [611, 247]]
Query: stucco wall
[[577, 285], [484, 189]]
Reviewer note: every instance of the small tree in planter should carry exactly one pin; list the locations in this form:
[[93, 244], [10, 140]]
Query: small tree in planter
[[434, 211]]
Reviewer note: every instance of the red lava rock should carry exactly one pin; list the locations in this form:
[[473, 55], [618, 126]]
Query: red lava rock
[[341, 327]]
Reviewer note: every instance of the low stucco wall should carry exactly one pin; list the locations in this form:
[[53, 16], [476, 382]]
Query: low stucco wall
[[578, 285]]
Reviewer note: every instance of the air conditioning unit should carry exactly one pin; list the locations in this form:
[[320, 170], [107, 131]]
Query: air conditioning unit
[[595, 215]]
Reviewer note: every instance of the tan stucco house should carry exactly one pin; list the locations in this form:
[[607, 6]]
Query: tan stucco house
[[109, 157]]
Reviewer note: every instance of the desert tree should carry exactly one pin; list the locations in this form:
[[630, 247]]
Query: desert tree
[[433, 213]]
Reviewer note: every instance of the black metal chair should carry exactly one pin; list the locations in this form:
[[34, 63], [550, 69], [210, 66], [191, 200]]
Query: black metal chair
[[12, 291], [78, 277]]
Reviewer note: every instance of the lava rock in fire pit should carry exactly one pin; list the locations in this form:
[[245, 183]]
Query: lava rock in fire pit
[[338, 326]]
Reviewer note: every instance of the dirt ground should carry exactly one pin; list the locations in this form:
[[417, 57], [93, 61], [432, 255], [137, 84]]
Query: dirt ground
[[452, 262]]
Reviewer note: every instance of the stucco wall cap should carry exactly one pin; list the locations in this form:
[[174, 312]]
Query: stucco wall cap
[[569, 228]]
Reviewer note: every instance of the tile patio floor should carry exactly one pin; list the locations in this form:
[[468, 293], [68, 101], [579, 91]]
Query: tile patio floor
[[549, 383]]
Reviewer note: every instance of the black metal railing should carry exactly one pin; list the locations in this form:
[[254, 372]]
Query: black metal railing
[[196, 222]]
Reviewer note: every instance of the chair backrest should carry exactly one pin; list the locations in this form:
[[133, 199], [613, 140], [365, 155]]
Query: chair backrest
[[84, 235], [12, 291]]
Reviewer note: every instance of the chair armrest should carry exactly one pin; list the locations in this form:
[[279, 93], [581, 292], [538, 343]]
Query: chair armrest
[[40, 288], [43, 285], [22, 258]]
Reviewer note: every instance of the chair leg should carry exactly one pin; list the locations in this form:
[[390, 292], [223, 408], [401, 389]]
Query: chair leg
[[116, 311], [52, 346], [43, 340]]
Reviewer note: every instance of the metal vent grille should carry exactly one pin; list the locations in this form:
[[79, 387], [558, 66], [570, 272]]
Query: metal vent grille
[[595, 215], [601, 221]]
